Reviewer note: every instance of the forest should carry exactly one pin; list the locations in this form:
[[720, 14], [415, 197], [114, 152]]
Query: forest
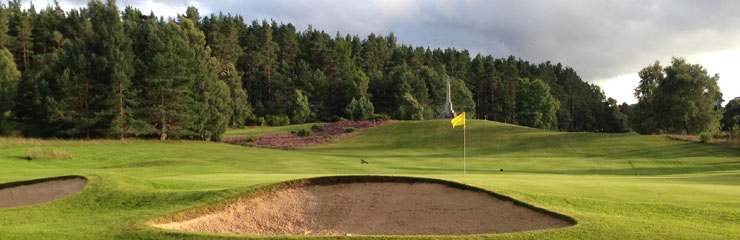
[[103, 72]]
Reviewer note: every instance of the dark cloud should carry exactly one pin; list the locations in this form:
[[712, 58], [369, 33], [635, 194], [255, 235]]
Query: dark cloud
[[600, 39]]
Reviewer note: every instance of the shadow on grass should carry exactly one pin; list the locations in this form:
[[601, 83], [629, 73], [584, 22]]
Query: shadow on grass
[[646, 171]]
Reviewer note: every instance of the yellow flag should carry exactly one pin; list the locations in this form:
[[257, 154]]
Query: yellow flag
[[459, 120]]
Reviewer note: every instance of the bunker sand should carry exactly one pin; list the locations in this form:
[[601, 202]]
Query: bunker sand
[[373, 208], [38, 191]]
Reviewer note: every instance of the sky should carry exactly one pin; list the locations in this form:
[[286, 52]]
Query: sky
[[607, 42]]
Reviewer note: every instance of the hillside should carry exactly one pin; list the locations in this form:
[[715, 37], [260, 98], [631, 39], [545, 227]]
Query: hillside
[[494, 145]]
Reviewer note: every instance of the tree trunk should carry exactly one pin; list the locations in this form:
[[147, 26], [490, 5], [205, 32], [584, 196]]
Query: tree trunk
[[686, 126], [87, 110], [120, 104], [163, 119]]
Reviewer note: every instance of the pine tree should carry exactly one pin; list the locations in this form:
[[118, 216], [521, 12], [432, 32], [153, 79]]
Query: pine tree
[[72, 106], [238, 103], [222, 33], [4, 27], [24, 41], [210, 95], [509, 80], [165, 86], [111, 49]]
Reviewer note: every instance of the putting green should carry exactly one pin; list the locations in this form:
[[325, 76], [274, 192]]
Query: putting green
[[616, 186]]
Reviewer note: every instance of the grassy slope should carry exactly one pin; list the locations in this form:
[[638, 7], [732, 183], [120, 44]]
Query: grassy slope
[[616, 185]]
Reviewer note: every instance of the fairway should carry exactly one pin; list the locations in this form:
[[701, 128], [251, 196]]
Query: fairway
[[616, 186]]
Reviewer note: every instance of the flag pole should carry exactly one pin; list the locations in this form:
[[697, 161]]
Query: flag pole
[[464, 154]]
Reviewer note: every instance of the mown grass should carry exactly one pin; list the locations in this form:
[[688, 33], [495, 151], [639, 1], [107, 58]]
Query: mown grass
[[617, 186]]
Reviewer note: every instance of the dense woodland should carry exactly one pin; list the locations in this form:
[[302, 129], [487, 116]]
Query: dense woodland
[[99, 72]]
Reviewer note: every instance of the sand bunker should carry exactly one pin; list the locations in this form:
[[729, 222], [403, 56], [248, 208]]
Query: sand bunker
[[373, 208], [18, 194]]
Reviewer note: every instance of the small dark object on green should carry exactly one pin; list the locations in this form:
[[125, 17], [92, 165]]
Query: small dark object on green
[[502, 169]]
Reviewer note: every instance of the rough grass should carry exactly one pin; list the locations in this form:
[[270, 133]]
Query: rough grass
[[617, 186], [38, 153], [726, 141], [265, 130]]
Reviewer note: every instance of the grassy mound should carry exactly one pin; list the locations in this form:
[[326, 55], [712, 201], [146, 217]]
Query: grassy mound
[[431, 145]]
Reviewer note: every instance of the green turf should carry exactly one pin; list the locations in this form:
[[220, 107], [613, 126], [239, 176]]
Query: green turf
[[617, 186]]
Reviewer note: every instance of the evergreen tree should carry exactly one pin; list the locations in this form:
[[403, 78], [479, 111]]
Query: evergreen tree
[[46, 29], [210, 95], [436, 88], [5, 39], [238, 103], [73, 104], [507, 89], [222, 32], [24, 41], [165, 86], [111, 50]]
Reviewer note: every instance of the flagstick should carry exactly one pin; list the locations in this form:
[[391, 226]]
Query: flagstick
[[464, 154]]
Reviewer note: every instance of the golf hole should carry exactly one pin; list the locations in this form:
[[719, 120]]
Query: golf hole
[[16, 194], [371, 205]]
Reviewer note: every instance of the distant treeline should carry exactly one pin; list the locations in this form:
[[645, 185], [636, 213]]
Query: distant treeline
[[98, 72]]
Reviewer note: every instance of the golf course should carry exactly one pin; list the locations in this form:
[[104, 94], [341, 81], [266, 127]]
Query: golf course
[[615, 186]]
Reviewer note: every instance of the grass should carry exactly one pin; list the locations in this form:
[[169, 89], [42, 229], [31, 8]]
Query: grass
[[38, 153], [617, 186]]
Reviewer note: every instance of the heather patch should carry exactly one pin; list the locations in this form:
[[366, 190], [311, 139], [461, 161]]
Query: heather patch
[[325, 133]]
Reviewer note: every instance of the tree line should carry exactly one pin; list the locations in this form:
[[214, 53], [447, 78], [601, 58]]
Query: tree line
[[99, 72]]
